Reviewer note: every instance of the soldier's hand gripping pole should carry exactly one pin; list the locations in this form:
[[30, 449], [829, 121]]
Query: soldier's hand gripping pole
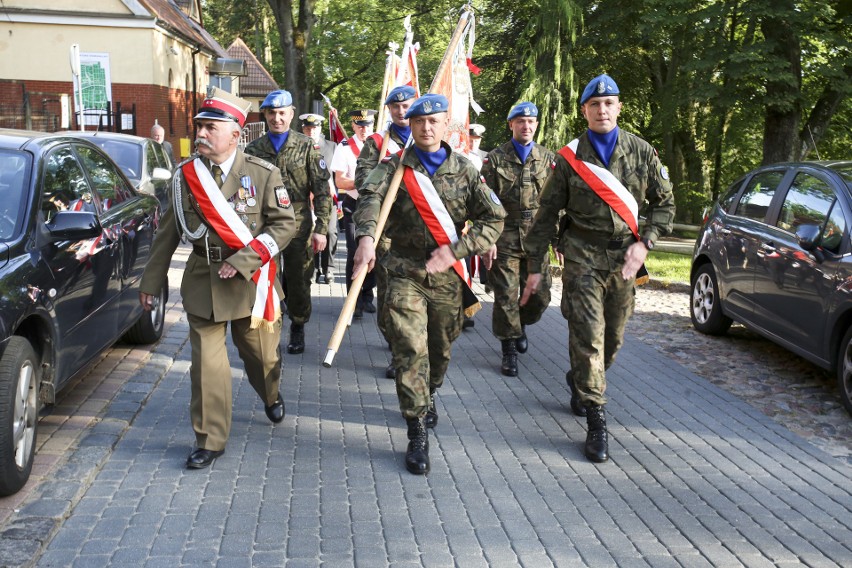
[[358, 279]]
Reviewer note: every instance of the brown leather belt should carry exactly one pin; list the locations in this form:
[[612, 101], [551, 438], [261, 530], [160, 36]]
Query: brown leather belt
[[214, 253]]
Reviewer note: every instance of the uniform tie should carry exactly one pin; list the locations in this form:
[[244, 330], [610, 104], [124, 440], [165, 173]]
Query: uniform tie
[[217, 175]]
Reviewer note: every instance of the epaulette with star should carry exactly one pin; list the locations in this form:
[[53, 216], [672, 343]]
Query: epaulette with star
[[259, 162]]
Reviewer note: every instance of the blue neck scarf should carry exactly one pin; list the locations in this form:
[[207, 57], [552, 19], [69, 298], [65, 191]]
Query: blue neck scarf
[[604, 144], [432, 160], [402, 131], [278, 140], [522, 151]]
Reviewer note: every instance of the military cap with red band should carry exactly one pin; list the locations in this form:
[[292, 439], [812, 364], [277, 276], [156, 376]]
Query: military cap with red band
[[222, 105]]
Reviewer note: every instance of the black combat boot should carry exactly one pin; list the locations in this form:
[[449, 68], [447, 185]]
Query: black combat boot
[[417, 456], [431, 418], [576, 406], [597, 447], [390, 372], [297, 338], [521, 343], [509, 366]]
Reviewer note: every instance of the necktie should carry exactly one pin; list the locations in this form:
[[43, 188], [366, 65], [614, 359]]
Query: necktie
[[217, 175]]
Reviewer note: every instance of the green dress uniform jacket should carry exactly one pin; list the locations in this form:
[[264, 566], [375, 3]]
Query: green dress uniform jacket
[[518, 185], [204, 293]]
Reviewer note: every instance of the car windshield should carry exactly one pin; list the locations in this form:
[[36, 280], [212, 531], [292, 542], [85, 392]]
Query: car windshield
[[127, 155], [14, 168]]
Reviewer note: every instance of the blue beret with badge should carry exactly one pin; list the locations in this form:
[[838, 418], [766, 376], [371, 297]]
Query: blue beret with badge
[[524, 109], [600, 86], [430, 103], [400, 94], [277, 99]]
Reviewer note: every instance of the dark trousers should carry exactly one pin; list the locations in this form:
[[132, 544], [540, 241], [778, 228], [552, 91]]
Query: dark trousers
[[351, 245]]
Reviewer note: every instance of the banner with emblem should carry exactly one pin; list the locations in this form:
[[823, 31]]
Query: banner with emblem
[[400, 70], [336, 131], [453, 81]]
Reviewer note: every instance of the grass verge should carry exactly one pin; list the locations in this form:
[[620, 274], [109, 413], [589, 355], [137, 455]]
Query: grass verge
[[668, 267]]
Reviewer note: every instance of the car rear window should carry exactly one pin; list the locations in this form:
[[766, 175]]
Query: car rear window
[[754, 203]]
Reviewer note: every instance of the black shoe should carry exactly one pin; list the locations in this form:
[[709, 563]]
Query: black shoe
[[201, 458], [319, 277], [328, 278], [576, 405], [431, 418], [597, 446], [468, 322], [390, 372], [521, 343], [368, 306], [275, 412], [509, 365], [359, 310], [417, 455], [297, 338]]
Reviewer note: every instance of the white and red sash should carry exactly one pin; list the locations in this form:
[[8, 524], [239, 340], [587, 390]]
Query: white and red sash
[[355, 145], [606, 186], [393, 147], [224, 221], [611, 190], [440, 224]]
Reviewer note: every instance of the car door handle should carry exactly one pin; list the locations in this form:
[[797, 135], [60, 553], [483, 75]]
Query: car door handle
[[725, 232], [768, 247]]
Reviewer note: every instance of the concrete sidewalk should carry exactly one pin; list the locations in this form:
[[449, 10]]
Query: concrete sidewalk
[[696, 477]]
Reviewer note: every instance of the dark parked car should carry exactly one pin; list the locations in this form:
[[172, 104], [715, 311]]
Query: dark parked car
[[74, 239], [775, 255], [145, 162]]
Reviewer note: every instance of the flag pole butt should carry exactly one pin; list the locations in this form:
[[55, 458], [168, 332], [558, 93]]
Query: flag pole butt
[[329, 358]]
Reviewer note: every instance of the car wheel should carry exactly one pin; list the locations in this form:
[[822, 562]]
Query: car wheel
[[149, 327], [844, 371], [705, 309], [20, 373]]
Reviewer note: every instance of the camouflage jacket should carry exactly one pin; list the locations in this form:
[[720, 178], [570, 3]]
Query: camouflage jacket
[[590, 222], [518, 185], [465, 197], [368, 159], [304, 172]]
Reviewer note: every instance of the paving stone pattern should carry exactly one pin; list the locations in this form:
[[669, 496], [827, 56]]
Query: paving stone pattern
[[697, 476]]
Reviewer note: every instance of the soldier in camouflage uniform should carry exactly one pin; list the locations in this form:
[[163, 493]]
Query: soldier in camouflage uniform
[[602, 254], [516, 171], [304, 173], [398, 101], [424, 294]]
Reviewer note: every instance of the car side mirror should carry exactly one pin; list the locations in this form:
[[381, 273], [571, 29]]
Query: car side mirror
[[161, 174], [74, 226], [807, 235]]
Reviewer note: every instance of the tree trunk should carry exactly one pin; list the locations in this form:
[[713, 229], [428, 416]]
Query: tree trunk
[[783, 89], [820, 117], [295, 39]]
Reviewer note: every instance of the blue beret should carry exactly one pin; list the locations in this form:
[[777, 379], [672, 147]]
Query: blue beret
[[523, 109], [600, 86], [401, 93], [277, 99], [429, 103]]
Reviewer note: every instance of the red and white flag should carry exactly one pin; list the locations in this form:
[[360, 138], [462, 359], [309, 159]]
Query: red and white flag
[[406, 71], [335, 128]]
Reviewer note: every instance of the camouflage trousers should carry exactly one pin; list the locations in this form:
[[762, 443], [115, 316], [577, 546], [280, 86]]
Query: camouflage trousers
[[381, 287], [423, 321], [597, 305], [297, 260], [508, 276]]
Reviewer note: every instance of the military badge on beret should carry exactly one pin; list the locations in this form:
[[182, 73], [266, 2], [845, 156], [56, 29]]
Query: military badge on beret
[[282, 197], [427, 107], [601, 87]]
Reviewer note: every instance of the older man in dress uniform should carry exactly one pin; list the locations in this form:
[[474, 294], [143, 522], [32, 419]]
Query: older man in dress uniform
[[516, 171], [440, 191], [305, 173], [599, 180], [237, 214]]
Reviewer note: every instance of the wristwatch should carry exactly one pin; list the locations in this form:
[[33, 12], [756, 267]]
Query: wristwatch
[[649, 244]]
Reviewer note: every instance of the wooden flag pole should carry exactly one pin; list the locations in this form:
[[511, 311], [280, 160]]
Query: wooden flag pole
[[358, 280]]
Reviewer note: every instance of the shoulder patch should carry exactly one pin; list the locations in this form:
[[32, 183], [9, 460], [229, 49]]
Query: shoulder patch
[[664, 173], [485, 160], [259, 162], [322, 164], [316, 146], [553, 165], [282, 197], [495, 199]]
